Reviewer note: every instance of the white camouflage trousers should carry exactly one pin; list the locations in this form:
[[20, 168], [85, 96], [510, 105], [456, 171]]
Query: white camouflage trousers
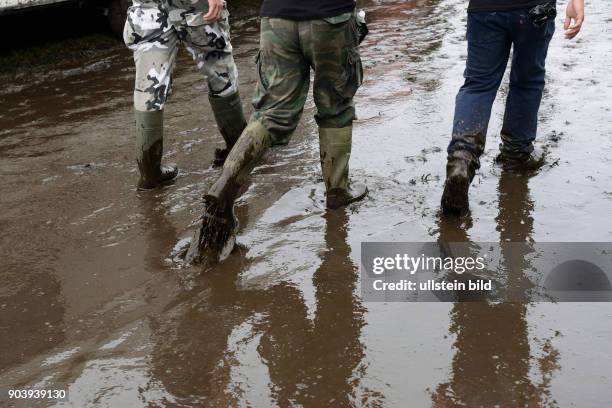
[[154, 30]]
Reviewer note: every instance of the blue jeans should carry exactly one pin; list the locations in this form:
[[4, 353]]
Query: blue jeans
[[490, 36]]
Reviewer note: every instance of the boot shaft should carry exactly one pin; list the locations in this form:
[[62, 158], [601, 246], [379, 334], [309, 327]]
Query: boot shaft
[[149, 130], [335, 151], [229, 116], [149, 150], [149, 144], [245, 155]]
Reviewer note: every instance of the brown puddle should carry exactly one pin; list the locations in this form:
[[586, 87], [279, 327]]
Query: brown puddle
[[93, 302]]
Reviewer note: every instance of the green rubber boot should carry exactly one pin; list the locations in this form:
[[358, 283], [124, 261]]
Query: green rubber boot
[[230, 120], [216, 236], [335, 150], [149, 150]]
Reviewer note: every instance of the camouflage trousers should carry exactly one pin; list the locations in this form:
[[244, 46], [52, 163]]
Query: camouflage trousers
[[288, 50], [155, 30]]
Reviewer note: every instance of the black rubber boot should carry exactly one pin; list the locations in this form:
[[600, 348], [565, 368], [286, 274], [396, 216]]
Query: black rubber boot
[[460, 172], [335, 150], [216, 237], [149, 151], [521, 162], [231, 122]]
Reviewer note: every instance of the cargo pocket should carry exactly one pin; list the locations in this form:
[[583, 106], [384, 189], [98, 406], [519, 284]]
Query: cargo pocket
[[143, 23], [352, 77], [209, 37], [261, 90], [348, 22], [355, 33], [263, 80]]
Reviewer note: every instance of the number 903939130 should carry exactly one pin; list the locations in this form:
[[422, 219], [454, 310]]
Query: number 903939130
[[33, 393]]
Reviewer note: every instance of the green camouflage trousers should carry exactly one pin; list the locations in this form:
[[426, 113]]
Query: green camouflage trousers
[[155, 29], [288, 49]]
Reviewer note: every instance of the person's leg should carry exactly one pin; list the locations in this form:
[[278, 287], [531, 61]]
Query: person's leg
[[488, 51], [279, 101], [211, 49], [155, 48], [526, 85], [332, 48]]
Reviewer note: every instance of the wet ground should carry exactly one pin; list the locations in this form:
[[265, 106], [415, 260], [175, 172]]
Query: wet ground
[[93, 302]]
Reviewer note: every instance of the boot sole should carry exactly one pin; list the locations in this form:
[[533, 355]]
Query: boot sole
[[455, 197]]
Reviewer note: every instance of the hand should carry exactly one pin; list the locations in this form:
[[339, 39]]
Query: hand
[[574, 19], [215, 7]]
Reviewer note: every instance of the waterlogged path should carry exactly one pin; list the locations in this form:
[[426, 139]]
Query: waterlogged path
[[93, 302]]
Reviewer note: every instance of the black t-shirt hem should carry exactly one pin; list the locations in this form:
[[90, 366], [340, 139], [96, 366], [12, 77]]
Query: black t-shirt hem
[[308, 16], [487, 6]]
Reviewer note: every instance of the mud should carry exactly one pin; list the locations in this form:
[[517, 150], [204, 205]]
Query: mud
[[94, 301]]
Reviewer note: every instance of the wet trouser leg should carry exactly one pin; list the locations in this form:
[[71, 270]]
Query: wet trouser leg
[[331, 46], [283, 79], [526, 84], [279, 100], [489, 43], [155, 47], [154, 60], [211, 49]]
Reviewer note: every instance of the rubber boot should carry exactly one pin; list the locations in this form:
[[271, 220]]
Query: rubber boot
[[335, 150], [521, 162], [460, 171], [216, 236], [149, 150], [230, 120]]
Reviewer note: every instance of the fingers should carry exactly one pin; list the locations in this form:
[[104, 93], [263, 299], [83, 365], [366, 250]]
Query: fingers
[[215, 7], [570, 34], [566, 25], [573, 29], [210, 17]]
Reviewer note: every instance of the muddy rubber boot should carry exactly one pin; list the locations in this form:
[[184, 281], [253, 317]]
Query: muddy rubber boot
[[521, 162], [149, 150], [335, 150], [216, 237], [230, 120], [460, 171]]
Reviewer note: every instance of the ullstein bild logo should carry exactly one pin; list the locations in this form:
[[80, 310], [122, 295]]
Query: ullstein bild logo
[[489, 272]]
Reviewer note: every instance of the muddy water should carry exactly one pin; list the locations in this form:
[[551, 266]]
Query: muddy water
[[93, 302]]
